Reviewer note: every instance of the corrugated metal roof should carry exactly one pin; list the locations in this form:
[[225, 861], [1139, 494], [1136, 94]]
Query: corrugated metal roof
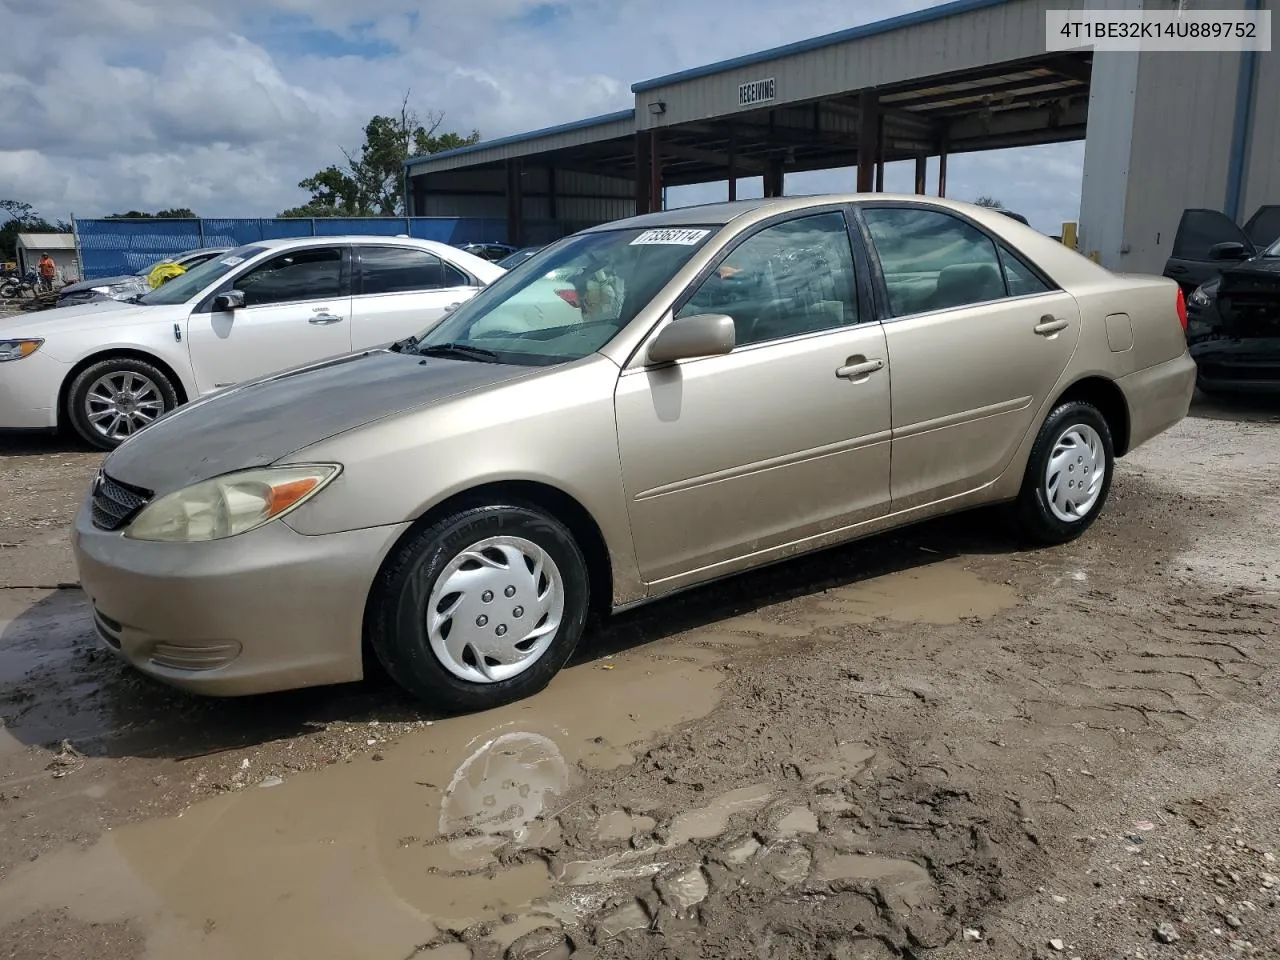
[[817, 43], [47, 241], [600, 121]]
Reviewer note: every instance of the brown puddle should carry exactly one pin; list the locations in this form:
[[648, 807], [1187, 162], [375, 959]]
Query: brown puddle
[[374, 858], [941, 592]]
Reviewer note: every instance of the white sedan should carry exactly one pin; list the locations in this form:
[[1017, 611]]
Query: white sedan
[[109, 369]]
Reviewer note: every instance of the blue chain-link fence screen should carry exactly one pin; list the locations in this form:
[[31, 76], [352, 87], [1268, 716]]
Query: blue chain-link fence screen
[[112, 247]]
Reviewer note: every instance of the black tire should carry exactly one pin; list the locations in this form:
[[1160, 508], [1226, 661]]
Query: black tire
[[397, 619], [1033, 514], [78, 395]]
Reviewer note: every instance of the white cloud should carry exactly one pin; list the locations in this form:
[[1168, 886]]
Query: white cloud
[[119, 104]]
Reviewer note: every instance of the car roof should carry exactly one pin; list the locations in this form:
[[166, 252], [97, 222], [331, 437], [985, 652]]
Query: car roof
[[725, 212], [397, 241]]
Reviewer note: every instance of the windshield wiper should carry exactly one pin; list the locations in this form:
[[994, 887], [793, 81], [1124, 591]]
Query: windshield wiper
[[463, 350], [403, 346]]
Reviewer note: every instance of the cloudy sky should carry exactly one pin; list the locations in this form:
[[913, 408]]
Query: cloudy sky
[[224, 105]]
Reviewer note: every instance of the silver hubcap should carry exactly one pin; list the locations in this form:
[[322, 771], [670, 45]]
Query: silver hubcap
[[118, 405], [495, 609], [1077, 468]]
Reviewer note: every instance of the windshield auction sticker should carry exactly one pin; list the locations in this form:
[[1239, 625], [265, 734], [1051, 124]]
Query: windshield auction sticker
[[684, 238]]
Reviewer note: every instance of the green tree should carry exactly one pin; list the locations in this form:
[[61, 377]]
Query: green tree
[[992, 202], [21, 217], [370, 181], [177, 213]]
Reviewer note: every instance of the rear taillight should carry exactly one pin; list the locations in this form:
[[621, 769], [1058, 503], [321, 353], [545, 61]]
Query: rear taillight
[[1182, 308], [570, 296]]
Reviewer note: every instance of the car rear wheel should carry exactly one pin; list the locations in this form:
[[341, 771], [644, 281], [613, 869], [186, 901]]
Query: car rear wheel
[[1068, 475], [481, 608], [113, 399]]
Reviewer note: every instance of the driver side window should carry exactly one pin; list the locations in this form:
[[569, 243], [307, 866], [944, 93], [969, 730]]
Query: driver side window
[[789, 279], [313, 273]]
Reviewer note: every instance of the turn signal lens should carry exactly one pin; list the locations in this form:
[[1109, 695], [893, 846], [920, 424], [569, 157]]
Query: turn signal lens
[[17, 349], [229, 505]]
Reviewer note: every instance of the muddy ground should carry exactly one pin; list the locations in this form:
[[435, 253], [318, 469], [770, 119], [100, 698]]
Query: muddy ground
[[929, 744]]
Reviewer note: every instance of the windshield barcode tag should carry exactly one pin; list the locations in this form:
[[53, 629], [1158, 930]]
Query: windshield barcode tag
[[684, 238]]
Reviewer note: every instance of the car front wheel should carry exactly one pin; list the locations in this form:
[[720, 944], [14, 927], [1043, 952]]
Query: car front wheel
[[1068, 475], [481, 608], [111, 400]]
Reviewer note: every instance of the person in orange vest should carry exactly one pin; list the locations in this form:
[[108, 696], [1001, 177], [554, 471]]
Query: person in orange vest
[[48, 270]]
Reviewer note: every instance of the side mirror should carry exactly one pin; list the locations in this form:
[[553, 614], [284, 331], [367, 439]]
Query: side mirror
[[702, 335], [1230, 250], [231, 300]]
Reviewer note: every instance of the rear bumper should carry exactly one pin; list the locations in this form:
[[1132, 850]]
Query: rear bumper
[[29, 392], [1159, 397]]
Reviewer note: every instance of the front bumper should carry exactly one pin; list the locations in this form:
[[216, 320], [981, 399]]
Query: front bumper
[[268, 610], [29, 391]]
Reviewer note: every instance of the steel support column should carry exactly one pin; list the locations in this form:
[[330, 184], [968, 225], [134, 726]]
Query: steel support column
[[643, 186], [922, 172], [515, 204], [942, 167], [551, 192], [655, 172], [733, 166], [880, 153], [868, 139], [774, 178]]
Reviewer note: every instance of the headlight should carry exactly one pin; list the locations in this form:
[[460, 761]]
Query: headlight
[[1205, 292], [17, 349], [232, 504], [117, 291]]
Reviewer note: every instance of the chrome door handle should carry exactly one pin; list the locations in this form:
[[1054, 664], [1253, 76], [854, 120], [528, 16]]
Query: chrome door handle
[[324, 318], [1049, 325], [852, 371]]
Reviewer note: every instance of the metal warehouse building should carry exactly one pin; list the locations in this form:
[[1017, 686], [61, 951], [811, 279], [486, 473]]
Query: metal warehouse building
[[1163, 131]]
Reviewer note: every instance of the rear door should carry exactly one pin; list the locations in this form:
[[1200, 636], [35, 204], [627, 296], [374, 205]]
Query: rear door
[[402, 291], [1198, 231], [977, 339]]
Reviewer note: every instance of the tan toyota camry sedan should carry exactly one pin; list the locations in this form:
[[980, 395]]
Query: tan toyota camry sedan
[[731, 385]]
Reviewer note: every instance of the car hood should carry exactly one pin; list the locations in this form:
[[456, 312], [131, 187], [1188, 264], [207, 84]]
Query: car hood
[[100, 282], [259, 422], [69, 318]]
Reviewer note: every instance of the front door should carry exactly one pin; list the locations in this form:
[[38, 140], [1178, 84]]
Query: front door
[[402, 291], [785, 438], [297, 310], [1199, 231], [977, 339]]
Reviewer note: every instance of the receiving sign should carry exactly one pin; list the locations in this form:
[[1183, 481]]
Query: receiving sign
[[684, 238], [757, 91]]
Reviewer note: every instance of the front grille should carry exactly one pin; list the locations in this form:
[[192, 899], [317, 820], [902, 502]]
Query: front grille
[[116, 503]]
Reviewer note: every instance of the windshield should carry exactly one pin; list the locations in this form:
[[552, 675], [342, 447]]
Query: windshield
[[185, 286], [567, 301]]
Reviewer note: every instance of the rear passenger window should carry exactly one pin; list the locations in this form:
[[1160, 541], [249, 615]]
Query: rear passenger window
[[932, 260], [789, 279], [1020, 278], [399, 270]]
